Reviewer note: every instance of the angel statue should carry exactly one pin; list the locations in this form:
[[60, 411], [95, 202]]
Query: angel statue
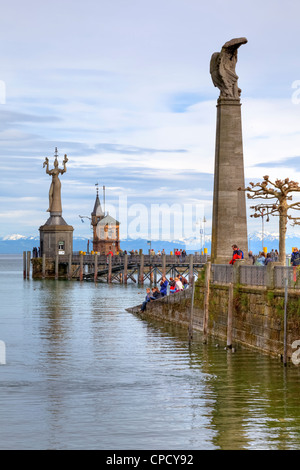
[[55, 188], [222, 69]]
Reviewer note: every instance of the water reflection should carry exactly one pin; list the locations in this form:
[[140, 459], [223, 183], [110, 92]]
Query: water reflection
[[83, 373]]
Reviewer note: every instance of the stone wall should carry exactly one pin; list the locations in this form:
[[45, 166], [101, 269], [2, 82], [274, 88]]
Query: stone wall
[[37, 269], [257, 315]]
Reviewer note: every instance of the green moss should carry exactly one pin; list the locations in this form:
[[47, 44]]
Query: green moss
[[270, 296], [241, 301], [293, 307]]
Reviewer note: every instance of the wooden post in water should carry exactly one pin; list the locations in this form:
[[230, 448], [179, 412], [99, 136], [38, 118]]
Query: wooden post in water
[[2, 353], [285, 319], [206, 300], [125, 268], [141, 269], [44, 265], [229, 317], [191, 270], [164, 262], [109, 275], [155, 275], [192, 311], [28, 263], [81, 267], [24, 264], [56, 266], [151, 271], [96, 267], [70, 266]]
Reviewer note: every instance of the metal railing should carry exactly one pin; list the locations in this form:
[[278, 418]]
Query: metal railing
[[134, 259], [272, 276], [222, 273], [253, 275]]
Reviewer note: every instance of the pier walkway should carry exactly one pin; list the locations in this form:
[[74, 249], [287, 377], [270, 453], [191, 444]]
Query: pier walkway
[[123, 268]]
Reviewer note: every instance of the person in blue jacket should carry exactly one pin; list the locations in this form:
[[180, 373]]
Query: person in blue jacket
[[147, 299], [164, 286], [295, 258]]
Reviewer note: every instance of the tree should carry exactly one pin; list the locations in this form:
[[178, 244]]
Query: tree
[[281, 192]]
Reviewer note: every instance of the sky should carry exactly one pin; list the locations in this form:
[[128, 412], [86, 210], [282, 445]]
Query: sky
[[123, 88]]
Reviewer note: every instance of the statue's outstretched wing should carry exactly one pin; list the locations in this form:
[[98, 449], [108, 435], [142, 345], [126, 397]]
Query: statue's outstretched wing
[[215, 70]]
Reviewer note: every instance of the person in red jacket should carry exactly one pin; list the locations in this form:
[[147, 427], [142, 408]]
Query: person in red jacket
[[237, 254]]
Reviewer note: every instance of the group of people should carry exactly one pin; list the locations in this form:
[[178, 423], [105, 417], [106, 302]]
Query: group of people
[[36, 252], [180, 254], [176, 285], [263, 259]]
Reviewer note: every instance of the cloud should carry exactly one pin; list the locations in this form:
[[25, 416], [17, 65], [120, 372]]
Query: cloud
[[125, 91], [291, 163]]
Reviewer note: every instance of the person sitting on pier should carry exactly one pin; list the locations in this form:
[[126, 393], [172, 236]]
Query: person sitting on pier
[[269, 259], [261, 259], [178, 284], [172, 286], [237, 254], [183, 282], [163, 286], [147, 299], [295, 258], [155, 294]]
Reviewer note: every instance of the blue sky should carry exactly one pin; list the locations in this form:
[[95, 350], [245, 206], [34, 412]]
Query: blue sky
[[123, 88]]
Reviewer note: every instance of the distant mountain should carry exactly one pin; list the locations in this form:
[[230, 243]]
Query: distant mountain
[[16, 243], [271, 241]]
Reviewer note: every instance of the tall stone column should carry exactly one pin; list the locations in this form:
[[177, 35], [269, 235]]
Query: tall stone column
[[229, 224]]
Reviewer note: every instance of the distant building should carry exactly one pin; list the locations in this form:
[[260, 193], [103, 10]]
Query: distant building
[[106, 234]]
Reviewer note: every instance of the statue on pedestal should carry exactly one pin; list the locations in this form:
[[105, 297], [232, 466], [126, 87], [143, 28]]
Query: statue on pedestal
[[222, 69], [55, 188]]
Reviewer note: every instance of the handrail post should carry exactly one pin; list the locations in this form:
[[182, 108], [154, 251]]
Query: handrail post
[[206, 300], [109, 268], [95, 267]]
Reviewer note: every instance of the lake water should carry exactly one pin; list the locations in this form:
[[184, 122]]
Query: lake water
[[82, 373]]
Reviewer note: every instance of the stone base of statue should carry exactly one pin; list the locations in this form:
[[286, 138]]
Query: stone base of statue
[[56, 236], [229, 225]]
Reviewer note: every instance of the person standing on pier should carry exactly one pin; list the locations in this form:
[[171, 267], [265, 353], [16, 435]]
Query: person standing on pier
[[295, 258]]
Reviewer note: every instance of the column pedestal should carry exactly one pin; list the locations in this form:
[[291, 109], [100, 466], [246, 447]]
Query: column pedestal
[[229, 225]]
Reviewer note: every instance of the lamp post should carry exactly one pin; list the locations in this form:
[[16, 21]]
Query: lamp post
[[201, 223], [204, 221], [262, 210]]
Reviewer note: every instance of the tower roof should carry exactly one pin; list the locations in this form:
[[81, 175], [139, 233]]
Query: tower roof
[[108, 219], [97, 211]]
